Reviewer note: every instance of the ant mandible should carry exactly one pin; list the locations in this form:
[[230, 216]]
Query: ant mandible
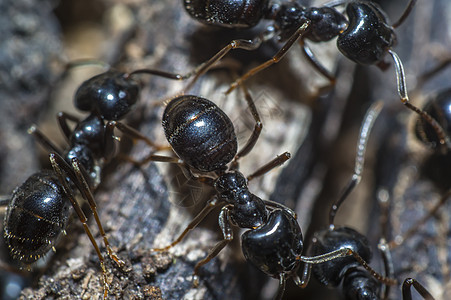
[[365, 37], [38, 210], [356, 283]]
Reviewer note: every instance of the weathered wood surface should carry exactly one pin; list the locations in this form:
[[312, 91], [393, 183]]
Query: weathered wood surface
[[145, 207]]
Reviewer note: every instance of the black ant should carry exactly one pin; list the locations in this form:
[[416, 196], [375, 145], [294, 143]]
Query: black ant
[[437, 106], [38, 210], [414, 191], [356, 282], [204, 139], [435, 163], [364, 37]]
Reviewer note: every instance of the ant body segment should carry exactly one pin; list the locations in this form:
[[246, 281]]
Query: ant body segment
[[38, 210], [438, 108], [364, 36], [356, 282]]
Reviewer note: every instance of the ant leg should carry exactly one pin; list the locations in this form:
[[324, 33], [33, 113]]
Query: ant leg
[[4, 200], [248, 45], [365, 130], [308, 54], [347, 252], [383, 200], [406, 292], [227, 232], [86, 191], [43, 140], [306, 272], [211, 204], [63, 170], [159, 158], [279, 160], [131, 133], [275, 59], [302, 282], [257, 127], [77, 175], [388, 265], [405, 14], [402, 91], [136, 135], [281, 288], [63, 117]]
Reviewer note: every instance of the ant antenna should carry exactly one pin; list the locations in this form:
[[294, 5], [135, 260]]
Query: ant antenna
[[402, 92], [365, 129], [405, 14]]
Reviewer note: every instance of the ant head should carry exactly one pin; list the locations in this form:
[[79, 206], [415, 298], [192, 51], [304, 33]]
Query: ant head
[[227, 13], [276, 246], [111, 94], [359, 283], [331, 272], [439, 108], [368, 36]]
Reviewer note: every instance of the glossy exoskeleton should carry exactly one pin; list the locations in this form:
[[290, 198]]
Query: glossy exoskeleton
[[38, 210], [200, 133], [364, 36], [435, 164], [439, 108], [356, 282], [203, 137]]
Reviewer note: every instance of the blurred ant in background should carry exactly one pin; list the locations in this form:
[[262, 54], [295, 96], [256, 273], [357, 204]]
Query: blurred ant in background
[[357, 283], [364, 37]]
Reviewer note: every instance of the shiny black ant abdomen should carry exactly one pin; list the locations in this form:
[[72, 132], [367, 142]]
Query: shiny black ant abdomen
[[200, 133], [36, 218]]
